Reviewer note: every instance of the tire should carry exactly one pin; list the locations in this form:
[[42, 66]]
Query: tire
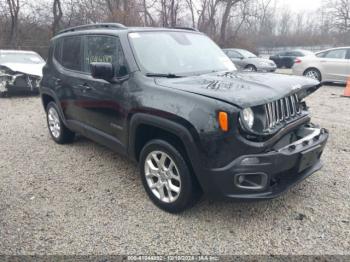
[[3, 94], [250, 68], [313, 73], [58, 131], [174, 189]]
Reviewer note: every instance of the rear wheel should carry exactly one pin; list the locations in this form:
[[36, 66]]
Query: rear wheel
[[58, 131], [250, 68], [313, 73], [167, 177]]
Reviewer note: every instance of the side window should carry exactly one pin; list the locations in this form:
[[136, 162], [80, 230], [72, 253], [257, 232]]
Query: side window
[[106, 49], [322, 54], [58, 50], [234, 54], [72, 53], [296, 53], [336, 54]]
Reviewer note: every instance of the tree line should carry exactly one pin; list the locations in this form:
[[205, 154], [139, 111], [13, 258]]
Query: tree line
[[247, 24]]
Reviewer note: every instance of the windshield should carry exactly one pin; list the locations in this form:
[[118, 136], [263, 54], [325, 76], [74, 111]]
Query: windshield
[[21, 58], [179, 53], [246, 54]]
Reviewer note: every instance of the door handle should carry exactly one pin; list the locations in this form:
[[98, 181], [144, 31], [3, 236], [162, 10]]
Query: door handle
[[85, 87], [58, 81]]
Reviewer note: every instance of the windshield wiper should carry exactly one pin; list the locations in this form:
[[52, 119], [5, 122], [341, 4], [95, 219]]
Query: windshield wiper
[[163, 75]]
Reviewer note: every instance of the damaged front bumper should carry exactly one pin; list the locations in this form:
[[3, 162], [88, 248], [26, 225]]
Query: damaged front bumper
[[267, 175], [19, 82]]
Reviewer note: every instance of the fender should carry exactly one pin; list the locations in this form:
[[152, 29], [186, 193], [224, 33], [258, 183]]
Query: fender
[[189, 140], [51, 93]]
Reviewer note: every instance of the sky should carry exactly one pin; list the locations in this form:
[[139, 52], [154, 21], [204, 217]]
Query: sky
[[301, 5]]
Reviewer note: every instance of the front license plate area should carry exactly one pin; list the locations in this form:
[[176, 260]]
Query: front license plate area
[[309, 158]]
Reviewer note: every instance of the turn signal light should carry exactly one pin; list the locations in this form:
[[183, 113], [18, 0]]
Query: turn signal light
[[223, 121]]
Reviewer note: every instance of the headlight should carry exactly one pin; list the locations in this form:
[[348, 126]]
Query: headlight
[[248, 117]]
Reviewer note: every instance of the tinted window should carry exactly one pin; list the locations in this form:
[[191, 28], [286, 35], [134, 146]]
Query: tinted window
[[336, 54], [297, 53], [72, 53], [106, 49]]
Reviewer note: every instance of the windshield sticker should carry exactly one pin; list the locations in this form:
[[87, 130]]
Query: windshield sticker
[[99, 59], [134, 35]]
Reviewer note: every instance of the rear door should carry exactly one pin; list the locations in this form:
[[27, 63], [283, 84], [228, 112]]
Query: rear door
[[70, 76], [335, 65]]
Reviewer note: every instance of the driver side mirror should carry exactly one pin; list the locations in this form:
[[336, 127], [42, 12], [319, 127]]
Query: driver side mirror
[[103, 71]]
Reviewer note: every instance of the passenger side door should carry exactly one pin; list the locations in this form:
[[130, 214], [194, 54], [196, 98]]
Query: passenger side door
[[335, 65], [105, 102]]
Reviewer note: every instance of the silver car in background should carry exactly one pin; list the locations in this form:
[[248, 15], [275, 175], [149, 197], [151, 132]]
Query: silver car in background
[[331, 65], [245, 60], [20, 71]]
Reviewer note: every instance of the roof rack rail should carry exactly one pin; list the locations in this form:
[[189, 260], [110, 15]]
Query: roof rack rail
[[93, 26], [185, 28]]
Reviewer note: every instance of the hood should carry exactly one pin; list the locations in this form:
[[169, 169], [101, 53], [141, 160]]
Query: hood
[[256, 60], [243, 89], [30, 69]]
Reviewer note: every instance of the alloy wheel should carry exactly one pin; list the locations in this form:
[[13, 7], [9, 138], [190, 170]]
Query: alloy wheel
[[162, 176], [54, 122], [312, 74]]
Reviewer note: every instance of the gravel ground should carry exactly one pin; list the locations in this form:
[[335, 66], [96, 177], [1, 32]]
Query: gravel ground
[[84, 199]]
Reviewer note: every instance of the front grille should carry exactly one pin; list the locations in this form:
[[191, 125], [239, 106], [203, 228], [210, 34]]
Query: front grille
[[282, 110]]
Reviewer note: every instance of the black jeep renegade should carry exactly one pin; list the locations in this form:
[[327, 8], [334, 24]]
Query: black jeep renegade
[[171, 100]]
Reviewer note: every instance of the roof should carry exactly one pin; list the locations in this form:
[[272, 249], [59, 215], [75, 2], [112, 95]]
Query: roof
[[116, 28], [16, 51]]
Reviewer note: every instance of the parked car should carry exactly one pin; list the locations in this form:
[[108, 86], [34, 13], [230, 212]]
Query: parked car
[[20, 71], [247, 61], [330, 65], [172, 101], [286, 58]]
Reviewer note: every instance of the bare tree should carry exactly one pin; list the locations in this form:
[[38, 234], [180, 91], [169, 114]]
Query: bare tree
[[57, 16], [14, 7], [191, 6], [340, 11]]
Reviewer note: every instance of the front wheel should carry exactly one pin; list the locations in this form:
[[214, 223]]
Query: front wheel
[[167, 178], [58, 131], [313, 73]]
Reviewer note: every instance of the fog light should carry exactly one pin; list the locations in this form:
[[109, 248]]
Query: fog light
[[250, 161], [254, 181], [240, 179]]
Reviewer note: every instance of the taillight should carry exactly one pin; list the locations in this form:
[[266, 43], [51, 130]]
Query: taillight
[[297, 61]]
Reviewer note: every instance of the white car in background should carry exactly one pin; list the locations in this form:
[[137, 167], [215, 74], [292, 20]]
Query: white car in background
[[331, 65], [20, 71]]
